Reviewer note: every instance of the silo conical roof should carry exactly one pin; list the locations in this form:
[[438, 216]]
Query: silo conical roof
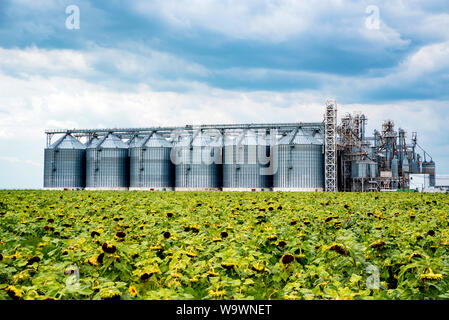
[[247, 138], [67, 142], [301, 137], [136, 142], [110, 142], [156, 141], [201, 139], [93, 143]]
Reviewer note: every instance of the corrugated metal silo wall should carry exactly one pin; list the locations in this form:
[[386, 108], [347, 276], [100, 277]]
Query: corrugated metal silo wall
[[242, 168], [192, 172], [299, 167], [64, 168], [150, 167], [429, 167], [373, 170], [107, 168], [359, 169], [395, 168]]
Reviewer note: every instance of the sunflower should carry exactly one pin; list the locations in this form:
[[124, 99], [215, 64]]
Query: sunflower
[[108, 248], [190, 254], [287, 258], [217, 293], [133, 291], [174, 283], [193, 280], [338, 248], [379, 244], [228, 265], [212, 274], [414, 255], [149, 272], [93, 261], [258, 267], [110, 294], [281, 244], [431, 276], [14, 293]]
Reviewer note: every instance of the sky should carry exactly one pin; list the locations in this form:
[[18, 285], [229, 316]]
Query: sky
[[141, 63]]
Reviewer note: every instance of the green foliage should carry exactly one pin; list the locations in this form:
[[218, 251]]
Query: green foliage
[[218, 245]]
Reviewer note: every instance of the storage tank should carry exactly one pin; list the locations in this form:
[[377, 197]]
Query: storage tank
[[245, 162], [198, 158], [429, 168], [300, 162], [373, 170], [64, 164], [150, 164], [107, 164], [359, 169], [405, 165], [415, 166], [395, 167]]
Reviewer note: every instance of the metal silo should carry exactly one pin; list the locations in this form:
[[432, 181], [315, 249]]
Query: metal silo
[[429, 168], [150, 164], [359, 169], [300, 162], [198, 162], [64, 164], [107, 164], [373, 170], [395, 167], [243, 166]]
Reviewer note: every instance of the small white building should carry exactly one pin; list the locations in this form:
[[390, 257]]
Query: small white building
[[419, 182]]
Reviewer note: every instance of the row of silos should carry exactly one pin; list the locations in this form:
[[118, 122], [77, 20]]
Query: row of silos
[[197, 161]]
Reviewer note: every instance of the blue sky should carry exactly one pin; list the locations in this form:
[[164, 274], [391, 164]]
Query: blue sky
[[145, 63]]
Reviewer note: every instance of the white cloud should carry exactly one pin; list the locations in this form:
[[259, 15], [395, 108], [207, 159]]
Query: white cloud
[[275, 20], [136, 61], [34, 60], [430, 58], [42, 103]]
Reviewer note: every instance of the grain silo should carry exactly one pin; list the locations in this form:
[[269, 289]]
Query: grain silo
[[107, 164], [244, 165], [64, 164], [150, 165], [300, 162], [429, 168], [359, 169], [198, 160]]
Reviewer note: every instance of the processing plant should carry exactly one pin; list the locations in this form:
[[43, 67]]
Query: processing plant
[[303, 156]]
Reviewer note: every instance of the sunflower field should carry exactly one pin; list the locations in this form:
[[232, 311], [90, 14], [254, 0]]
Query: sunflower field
[[218, 245]]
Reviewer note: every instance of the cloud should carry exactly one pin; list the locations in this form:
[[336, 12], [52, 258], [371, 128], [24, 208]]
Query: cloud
[[191, 62], [36, 103]]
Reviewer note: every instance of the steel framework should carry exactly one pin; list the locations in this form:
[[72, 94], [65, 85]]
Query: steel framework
[[330, 145], [281, 128]]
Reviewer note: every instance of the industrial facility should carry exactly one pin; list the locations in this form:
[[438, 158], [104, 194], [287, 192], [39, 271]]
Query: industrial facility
[[303, 156]]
